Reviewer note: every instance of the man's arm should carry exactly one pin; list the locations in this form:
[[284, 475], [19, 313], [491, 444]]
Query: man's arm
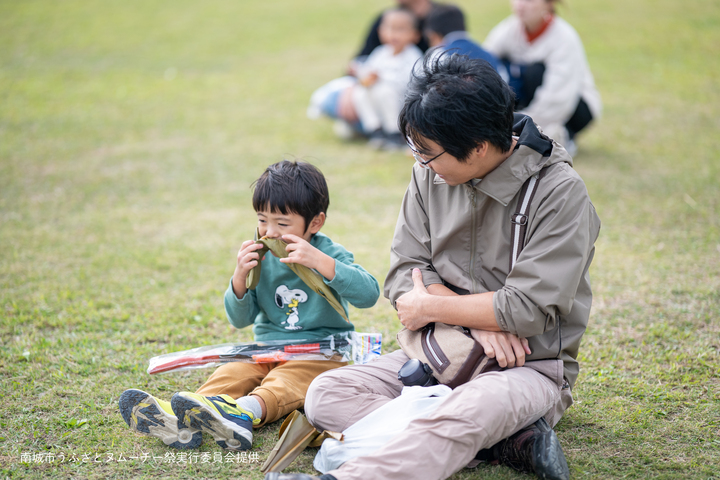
[[509, 350], [411, 245], [411, 249], [437, 303], [411, 270], [441, 290], [541, 286], [544, 282]]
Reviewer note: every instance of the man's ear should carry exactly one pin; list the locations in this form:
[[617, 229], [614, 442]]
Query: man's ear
[[317, 223], [482, 149]]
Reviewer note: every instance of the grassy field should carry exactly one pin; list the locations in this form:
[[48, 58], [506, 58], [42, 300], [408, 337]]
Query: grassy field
[[130, 133]]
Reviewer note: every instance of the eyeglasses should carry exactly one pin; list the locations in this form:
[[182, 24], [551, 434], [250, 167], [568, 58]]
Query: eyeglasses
[[418, 156]]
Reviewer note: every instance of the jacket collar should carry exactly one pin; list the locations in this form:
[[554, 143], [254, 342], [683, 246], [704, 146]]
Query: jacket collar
[[533, 151]]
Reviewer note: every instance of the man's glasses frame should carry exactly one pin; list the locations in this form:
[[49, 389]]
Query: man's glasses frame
[[418, 156]]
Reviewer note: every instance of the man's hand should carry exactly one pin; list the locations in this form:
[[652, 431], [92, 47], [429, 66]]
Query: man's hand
[[300, 251], [247, 258], [506, 348], [411, 306]]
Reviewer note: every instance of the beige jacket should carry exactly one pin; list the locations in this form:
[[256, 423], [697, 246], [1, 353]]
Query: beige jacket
[[461, 236]]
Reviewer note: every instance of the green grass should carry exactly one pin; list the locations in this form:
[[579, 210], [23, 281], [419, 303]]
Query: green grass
[[131, 131]]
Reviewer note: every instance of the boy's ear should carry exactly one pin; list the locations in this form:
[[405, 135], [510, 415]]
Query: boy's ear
[[317, 223]]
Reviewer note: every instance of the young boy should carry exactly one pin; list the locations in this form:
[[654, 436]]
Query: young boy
[[384, 76], [291, 201]]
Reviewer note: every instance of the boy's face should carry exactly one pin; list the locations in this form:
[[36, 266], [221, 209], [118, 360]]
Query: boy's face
[[276, 224], [397, 29]]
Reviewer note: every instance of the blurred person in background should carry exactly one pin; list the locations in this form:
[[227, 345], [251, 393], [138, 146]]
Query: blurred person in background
[[445, 31], [421, 9], [383, 78], [368, 103], [549, 72]]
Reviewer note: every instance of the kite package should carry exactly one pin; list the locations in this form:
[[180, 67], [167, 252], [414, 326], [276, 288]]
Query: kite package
[[349, 346]]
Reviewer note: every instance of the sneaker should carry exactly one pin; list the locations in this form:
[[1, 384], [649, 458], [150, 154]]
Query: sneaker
[[151, 416], [534, 449], [219, 416]]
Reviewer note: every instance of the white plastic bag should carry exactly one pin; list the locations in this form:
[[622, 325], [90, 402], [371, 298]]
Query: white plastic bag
[[375, 430]]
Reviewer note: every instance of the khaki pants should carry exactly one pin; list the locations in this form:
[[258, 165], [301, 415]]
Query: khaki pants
[[474, 416], [281, 385]]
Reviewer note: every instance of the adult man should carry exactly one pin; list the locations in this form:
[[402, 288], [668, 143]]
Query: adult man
[[451, 262]]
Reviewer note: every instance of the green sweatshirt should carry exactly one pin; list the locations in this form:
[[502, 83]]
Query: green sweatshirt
[[282, 307]]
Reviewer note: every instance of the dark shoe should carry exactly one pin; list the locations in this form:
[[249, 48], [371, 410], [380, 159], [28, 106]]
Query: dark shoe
[[534, 449], [296, 476]]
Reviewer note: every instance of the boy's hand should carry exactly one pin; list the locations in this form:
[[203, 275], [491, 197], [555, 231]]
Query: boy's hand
[[300, 251], [247, 258]]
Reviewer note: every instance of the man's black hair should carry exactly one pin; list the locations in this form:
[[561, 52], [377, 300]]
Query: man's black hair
[[292, 187], [444, 19], [458, 103]]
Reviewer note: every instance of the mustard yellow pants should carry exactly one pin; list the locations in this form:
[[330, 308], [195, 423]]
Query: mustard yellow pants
[[281, 385]]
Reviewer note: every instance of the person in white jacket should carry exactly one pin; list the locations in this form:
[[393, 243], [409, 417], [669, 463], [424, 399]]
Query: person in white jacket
[[548, 69]]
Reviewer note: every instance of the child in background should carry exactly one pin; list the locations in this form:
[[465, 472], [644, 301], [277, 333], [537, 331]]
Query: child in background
[[368, 103], [291, 201], [383, 78]]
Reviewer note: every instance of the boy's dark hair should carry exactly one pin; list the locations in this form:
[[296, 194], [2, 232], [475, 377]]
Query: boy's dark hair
[[292, 187], [458, 103], [444, 19]]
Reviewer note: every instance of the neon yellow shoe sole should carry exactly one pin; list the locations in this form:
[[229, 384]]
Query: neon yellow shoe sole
[[219, 416], [151, 416]]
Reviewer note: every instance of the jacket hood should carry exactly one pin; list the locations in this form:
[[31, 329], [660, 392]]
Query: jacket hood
[[533, 151]]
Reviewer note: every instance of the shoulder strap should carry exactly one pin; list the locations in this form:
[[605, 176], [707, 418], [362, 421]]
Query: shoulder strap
[[519, 219]]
